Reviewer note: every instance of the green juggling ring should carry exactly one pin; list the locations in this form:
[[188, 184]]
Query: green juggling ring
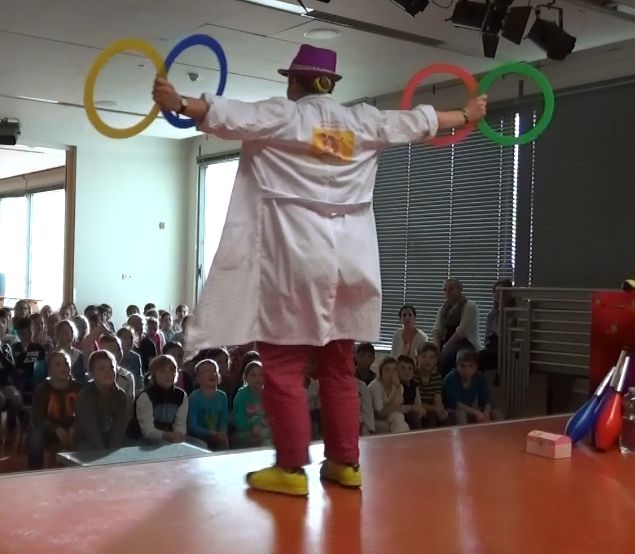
[[547, 93]]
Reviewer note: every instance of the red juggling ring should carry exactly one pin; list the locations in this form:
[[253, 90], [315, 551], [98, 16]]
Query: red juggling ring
[[468, 80]]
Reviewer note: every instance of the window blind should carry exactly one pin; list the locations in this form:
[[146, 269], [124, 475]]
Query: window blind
[[443, 212]]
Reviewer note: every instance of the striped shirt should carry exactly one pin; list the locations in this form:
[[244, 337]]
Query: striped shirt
[[428, 390]]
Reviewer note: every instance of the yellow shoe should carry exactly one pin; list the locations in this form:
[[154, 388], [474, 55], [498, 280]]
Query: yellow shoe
[[344, 475], [275, 479]]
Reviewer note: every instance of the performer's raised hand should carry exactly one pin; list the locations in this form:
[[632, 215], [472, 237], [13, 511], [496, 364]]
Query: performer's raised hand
[[164, 94]]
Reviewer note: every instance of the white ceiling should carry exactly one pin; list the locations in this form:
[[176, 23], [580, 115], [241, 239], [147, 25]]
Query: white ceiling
[[47, 48], [20, 160]]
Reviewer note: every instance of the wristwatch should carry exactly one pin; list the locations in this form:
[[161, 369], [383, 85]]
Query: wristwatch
[[466, 115], [184, 104]]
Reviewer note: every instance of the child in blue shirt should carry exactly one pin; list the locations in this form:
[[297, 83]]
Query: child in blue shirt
[[466, 393], [208, 408]]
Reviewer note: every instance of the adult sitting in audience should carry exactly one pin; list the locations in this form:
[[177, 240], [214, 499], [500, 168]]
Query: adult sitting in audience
[[429, 383], [53, 410], [101, 417], [456, 326], [161, 409], [488, 357], [364, 359], [408, 339], [467, 394], [386, 393]]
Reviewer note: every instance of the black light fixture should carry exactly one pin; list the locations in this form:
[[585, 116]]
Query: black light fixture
[[413, 7], [469, 15], [492, 18], [551, 36], [516, 23]]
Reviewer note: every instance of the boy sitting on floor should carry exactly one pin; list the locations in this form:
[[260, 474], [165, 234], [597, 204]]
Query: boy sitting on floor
[[161, 409], [208, 415], [466, 393], [102, 411], [53, 410]]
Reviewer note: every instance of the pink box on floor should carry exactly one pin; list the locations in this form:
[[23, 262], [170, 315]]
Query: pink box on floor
[[548, 445]]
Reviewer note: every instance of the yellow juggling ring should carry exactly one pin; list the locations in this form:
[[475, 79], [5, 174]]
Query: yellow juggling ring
[[124, 45]]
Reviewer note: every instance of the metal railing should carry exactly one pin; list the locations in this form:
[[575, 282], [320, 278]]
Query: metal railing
[[543, 330]]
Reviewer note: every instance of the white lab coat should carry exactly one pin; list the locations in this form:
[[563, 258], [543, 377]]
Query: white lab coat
[[298, 261]]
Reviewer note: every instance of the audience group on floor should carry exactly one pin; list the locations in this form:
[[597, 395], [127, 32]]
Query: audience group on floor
[[76, 382]]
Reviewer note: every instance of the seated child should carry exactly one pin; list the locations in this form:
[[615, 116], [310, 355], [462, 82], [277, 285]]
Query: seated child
[[101, 414], [130, 359], [65, 337], [183, 379], [27, 355], [154, 334], [10, 398], [125, 378], [249, 415], [364, 359], [165, 326], [81, 323], [207, 419], [367, 415], [53, 410], [413, 410], [229, 382], [7, 336], [161, 409], [466, 392], [143, 345], [429, 382], [38, 333], [386, 393], [106, 316]]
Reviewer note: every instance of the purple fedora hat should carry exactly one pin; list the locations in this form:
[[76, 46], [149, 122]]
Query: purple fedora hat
[[313, 61]]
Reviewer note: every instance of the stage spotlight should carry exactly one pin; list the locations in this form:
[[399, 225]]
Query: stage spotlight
[[551, 36], [516, 23], [413, 7], [469, 15], [492, 19]]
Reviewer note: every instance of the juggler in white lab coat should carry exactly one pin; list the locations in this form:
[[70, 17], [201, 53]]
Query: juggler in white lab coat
[[298, 261]]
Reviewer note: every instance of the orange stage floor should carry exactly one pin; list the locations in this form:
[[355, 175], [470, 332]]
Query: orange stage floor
[[465, 490]]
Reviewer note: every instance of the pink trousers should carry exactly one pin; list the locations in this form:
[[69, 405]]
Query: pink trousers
[[286, 403]]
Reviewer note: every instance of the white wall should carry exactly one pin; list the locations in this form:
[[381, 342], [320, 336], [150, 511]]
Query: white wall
[[124, 189]]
